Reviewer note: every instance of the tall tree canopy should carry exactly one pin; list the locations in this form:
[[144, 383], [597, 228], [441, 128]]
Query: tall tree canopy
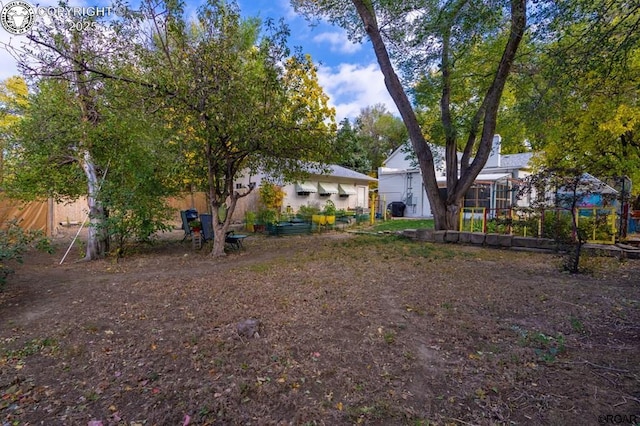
[[353, 154], [379, 132], [431, 33], [13, 103], [374, 134], [239, 99], [229, 92], [577, 94]]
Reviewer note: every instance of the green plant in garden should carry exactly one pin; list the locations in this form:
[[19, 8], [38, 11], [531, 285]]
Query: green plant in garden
[[267, 216], [271, 196], [546, 347], [329, 208], [14, 242], [306, 212], [250, 217]]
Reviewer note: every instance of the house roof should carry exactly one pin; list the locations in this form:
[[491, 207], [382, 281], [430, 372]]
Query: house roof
[[516, 161], [339, 171], [482, 177], [590, 182], [507, 161]]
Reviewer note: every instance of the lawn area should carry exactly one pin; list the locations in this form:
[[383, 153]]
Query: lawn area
[[353, 329], [402, 224]]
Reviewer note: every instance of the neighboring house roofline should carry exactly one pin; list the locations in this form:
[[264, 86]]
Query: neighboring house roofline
[[333, 170], [516, 161], [343, 172]]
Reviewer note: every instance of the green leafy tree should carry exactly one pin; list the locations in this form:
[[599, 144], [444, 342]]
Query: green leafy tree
[[380, 133], [578, 93], [54, 50], [440, 33], [241, 101], [353, 155], [135, 180], [14, 243], [13, 102]]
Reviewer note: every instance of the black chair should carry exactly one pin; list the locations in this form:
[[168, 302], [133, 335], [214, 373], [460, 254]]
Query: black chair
[[207, 226], [231, 239], [187, 216]]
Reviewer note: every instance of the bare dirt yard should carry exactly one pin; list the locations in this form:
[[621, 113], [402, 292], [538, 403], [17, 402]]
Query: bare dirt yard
[[353, 330]]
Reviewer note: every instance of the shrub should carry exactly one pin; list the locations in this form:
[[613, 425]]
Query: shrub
[[329, 208], [267, 216], [271, 196], [14, 242], [306, 212]]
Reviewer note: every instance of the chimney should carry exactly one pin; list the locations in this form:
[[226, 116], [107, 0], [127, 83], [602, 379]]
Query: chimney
[[494, 157]]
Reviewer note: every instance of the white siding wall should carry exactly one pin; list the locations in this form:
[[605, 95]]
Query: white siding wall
[[292, 199], [393, 187], [397, 160]]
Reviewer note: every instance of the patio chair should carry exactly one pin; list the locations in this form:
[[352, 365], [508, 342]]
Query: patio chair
[[187, 216], [207, 226], [207, 232]]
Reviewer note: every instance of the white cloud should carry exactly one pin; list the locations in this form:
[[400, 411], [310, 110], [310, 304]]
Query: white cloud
[[352, 87], [338, 41], [289, 12]]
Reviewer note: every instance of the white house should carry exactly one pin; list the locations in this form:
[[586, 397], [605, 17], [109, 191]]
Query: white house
[[400, 179], [347, 189]]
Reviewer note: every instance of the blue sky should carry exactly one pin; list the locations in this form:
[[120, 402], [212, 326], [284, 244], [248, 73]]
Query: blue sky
[[348, 72]]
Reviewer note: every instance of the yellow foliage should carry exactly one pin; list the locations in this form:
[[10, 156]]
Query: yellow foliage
[[14, 98], [625, 119]]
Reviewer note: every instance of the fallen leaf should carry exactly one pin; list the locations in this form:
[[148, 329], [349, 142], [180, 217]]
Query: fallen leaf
[[339, 406]]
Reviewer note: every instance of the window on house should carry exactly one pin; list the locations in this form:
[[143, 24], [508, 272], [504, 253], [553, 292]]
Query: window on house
[[503, 195], [479, 195]]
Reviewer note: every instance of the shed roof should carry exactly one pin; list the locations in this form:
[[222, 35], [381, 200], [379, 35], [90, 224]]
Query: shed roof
[[339, 171]]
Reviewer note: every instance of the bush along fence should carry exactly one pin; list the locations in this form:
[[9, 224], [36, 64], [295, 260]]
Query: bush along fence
[[597, 224]]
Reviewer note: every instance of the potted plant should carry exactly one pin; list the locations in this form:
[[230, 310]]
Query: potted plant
[[330, 212], [195, 226], [249, 221]]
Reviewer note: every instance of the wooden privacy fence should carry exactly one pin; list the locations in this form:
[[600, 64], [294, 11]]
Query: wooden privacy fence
[[48, 215], [34, 215]]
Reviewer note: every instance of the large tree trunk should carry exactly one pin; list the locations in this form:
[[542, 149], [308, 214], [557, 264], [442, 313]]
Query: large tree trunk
[[220, 228], [97, 244], [446, 210], [397, 93]]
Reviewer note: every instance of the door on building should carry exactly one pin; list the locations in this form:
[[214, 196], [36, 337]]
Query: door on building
[[363, 200]]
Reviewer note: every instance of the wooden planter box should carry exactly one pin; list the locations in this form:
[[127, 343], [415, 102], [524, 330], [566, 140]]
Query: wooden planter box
[[289, 228]]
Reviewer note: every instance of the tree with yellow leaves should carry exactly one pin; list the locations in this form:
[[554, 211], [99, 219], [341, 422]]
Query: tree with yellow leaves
[[239, 100], [13, 101]]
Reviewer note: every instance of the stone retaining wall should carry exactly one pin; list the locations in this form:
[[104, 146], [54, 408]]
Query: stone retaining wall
[[511, 242]]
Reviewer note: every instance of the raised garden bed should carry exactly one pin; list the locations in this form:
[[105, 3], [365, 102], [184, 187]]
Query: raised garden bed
[[289, 228]]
